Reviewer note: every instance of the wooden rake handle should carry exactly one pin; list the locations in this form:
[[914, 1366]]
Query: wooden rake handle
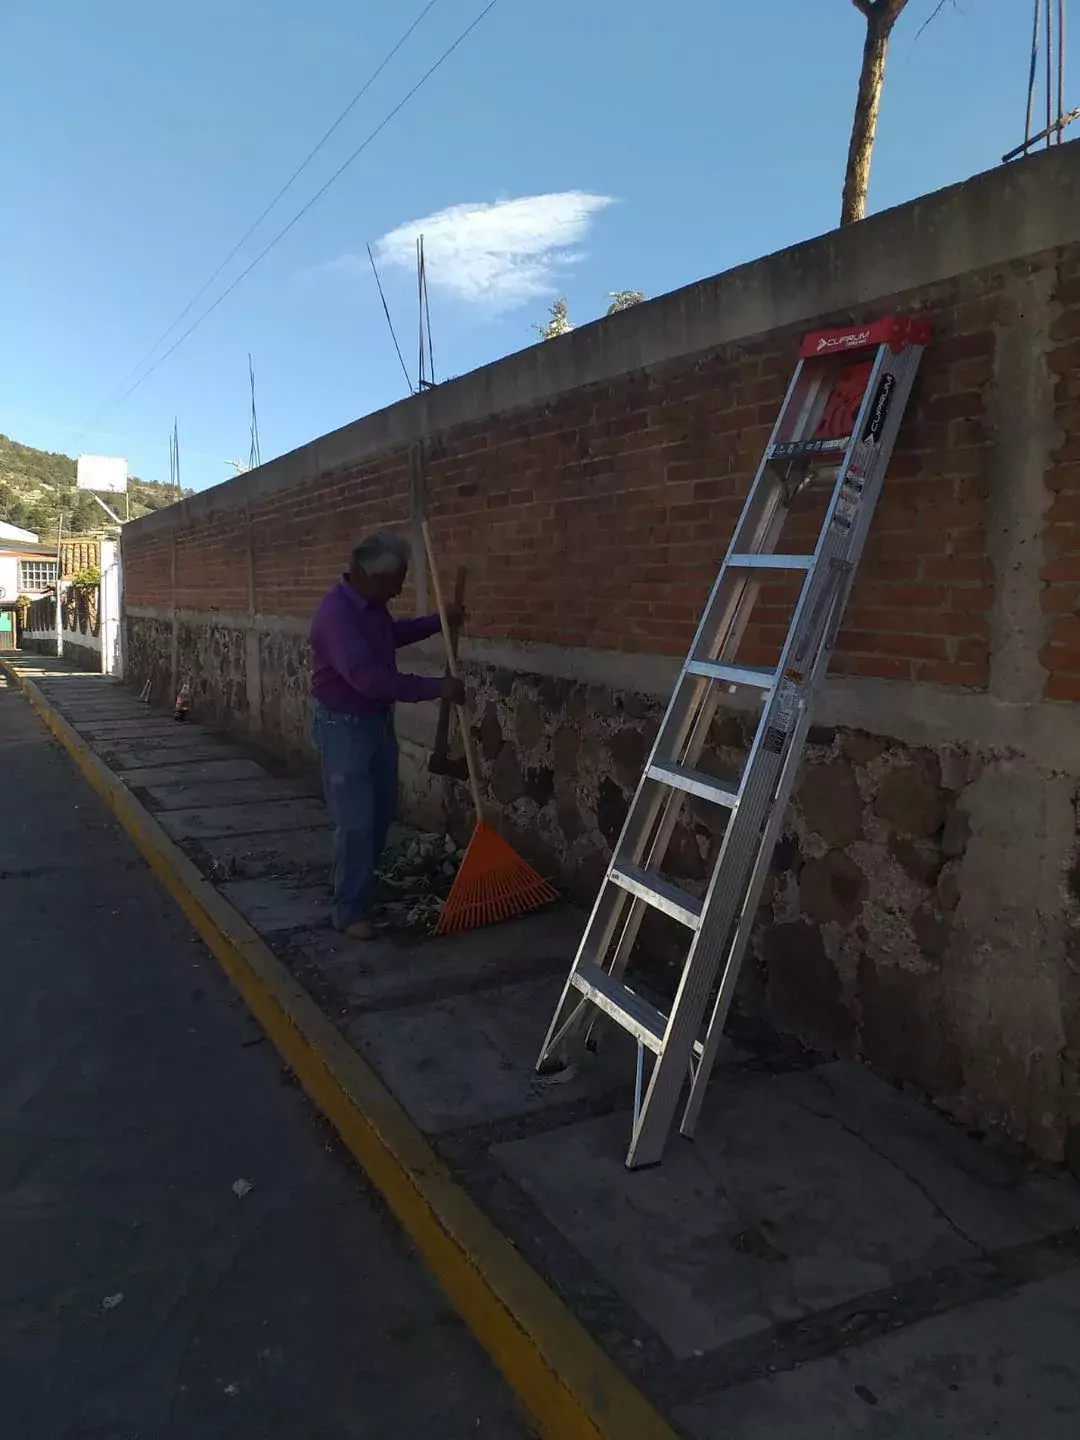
[[452, 666], [440, 762]]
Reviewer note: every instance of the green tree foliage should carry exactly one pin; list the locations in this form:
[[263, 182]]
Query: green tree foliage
[[559, 322], [37, 486], [623, 299], [36, 467], [147, 495], [85, 514], [88, 579]]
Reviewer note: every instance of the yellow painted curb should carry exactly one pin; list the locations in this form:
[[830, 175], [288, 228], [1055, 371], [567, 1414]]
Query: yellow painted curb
[[569, 1386]]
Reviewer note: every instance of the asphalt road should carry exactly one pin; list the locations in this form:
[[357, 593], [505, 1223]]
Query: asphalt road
[[141, 1297]]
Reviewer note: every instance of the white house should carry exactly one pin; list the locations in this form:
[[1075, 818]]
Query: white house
[[13, 532], [26, 568]]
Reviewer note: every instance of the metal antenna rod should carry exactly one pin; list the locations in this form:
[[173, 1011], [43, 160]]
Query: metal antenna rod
[[421, 371], [1061, 72], [427, 314], [1048, 28], [1031, 73], [1049, 75], [254, 456], [427, 357]]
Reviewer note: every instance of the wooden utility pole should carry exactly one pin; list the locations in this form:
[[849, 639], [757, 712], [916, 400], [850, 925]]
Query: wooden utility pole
[[880, 16], [59, 592]]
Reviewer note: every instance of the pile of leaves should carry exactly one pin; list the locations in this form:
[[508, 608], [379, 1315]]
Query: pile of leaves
[[416, 875]]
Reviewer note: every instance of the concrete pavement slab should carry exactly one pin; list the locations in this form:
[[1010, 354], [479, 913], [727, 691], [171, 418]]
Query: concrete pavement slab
[[405, 967], [77, 695], [993, 1202], [196, 771], [71, 681], [248, 819], [469, 1059], [138, 755], [166, 737], [134, 726], [271, 853], [215, 793], [271, 906], [774, 1212], [121, 708], [1008, 1368]]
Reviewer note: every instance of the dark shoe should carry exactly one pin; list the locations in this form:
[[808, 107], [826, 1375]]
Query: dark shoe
[[360, 930]]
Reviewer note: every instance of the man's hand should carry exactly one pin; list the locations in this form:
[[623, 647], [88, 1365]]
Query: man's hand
[[456, 616], [453, 690]]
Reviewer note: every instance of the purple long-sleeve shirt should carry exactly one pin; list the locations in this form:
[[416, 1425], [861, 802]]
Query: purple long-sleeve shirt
[[353, 661]]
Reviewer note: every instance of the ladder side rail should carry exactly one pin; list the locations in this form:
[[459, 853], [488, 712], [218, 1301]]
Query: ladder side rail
[[733, 965], [726, 636], [693, 702], [778, 809], [728, 884], [758, 515], [611, 901], [811, 405], [769, 770]]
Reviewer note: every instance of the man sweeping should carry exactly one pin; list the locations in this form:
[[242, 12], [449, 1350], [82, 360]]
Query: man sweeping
[[355, 684]]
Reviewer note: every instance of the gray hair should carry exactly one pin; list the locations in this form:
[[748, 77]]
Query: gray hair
[[381, 554]]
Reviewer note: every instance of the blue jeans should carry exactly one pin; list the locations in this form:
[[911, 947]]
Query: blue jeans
[[359, 757]]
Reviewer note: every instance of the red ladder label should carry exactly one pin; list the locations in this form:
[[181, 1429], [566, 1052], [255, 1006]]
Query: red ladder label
[[842, 407]]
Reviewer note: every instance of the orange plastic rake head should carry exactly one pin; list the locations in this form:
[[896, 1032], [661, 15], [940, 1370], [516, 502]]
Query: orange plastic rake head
[[493, 883]]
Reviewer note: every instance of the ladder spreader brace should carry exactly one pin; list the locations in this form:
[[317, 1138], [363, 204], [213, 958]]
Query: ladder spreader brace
[[841, 414]]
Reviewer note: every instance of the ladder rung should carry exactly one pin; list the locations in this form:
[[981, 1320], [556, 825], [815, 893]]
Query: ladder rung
[[695, 783], [822, 450], [659, 893], [748, 675], [770, 562], [634, 1014]]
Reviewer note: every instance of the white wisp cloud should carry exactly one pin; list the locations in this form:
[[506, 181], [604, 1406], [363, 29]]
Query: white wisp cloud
[[498, 255]]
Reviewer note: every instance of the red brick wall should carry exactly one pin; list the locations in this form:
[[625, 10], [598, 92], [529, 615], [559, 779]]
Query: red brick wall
[[302, 537], [147, 569], [601, 522], [599, 519]]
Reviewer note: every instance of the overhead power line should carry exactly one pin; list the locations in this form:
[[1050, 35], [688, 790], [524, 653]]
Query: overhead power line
[[317, 196], [386, 312], [262, 215]]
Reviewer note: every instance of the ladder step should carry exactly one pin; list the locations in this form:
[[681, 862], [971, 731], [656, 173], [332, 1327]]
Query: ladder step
[[634, 1014], [809, 449], [770, 562], [659, 893], [748, 675], [695, 783]]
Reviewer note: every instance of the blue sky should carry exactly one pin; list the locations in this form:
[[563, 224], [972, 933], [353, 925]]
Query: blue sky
[[653, 144]]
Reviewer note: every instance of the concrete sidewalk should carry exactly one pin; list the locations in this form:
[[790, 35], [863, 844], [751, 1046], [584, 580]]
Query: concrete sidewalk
[[830, 1257]]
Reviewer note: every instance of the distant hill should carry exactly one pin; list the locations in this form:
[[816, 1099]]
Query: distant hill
[[36, 484]]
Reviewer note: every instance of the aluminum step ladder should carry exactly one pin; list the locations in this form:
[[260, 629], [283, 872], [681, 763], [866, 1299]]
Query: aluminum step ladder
[[838, 424]]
